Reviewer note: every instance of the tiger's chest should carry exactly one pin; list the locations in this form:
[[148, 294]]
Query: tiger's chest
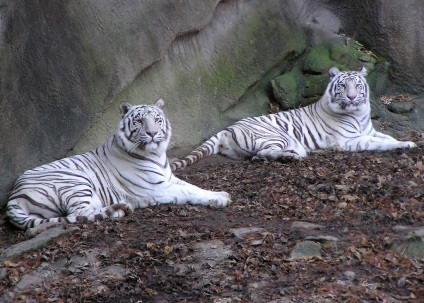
[[139, 175]]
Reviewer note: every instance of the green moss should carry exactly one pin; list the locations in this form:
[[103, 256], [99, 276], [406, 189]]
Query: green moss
[[318, 60], [315, 87], [267, 43], [222, 78], [347, 57], [287, 89]]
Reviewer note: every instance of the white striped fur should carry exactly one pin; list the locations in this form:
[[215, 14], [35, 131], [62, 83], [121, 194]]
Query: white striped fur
[[129, 171], [340, 119]]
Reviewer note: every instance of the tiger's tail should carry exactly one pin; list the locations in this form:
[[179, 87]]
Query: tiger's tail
[[208, 148], [22, 220]]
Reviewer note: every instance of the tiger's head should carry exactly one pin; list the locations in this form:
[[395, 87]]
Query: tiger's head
[[348, 91], [144, 128]]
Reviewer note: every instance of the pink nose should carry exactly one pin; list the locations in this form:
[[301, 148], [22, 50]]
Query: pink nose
[[351, 97], [151, 133]]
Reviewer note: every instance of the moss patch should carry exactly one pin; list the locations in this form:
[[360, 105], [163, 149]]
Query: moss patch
[[266, 43], [287, 89], [318, 61], [306, 83]]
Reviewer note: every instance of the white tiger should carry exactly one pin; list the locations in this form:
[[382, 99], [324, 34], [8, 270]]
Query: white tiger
[[131, 170], [340, 119]]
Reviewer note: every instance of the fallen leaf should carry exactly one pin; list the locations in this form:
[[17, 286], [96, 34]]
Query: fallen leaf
[[151, 291], [349, 198], [167, 250]]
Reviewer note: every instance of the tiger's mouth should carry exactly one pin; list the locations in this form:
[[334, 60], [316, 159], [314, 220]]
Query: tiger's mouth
[[150, 142], [346, 104], [150, 145]]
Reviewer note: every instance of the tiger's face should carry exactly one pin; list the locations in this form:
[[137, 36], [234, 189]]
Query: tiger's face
[[348, 91], [144, 127]]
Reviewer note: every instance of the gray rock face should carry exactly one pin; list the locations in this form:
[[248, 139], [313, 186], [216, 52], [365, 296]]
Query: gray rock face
[[66, 66], [393, 29]]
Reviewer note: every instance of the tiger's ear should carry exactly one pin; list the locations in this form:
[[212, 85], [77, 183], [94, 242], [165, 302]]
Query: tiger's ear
[[124, 108], [333, 71], [363, 71], [159, 103]]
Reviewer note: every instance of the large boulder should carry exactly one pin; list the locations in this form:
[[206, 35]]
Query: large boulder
[[216, 76]]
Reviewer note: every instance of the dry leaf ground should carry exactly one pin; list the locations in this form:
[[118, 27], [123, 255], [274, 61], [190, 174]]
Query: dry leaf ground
[[357, 198]]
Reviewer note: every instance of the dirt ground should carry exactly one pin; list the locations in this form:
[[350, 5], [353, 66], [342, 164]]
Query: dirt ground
[[356, 198]]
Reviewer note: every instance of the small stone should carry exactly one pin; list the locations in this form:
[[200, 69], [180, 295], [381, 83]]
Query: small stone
[[28, 281], [401, 282], [401, 107], [257, 242], [305, 225], [342, 205], [115, 271], [243, 231], [3, 273], [341, 283], [306, 249], [349, 275], [365, 58]]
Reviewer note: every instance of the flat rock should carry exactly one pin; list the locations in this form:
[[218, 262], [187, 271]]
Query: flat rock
[[32, 232], [38, 242], [401, 107], [87, 261], [409, 230], [243, 231], [410, 248], [349, 275], [306, 249], [305, 225], [211, 252], [28, 281]]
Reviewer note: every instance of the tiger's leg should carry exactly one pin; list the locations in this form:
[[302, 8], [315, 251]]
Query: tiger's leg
[[30, 210], [91, 208], [384, 136], [278, 150], [229, 147], [177, 191], [375, 143]]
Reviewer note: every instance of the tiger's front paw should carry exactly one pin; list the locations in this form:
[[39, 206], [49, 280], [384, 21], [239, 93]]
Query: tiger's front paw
[[408, 144], [220, 199], [258, 159]]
